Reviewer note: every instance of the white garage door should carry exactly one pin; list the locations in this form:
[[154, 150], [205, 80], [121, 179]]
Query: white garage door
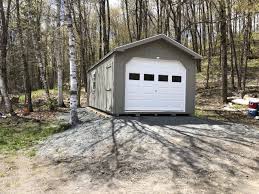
[[155, 85]]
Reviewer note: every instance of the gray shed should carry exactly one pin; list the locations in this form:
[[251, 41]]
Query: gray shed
[[153, 75]]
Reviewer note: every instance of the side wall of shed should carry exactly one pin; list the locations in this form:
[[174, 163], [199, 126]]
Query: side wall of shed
[[164, 51], [100, 96]]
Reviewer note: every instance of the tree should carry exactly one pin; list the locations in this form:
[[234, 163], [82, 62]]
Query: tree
[[3, 54], [233, 57], [33, 49], [247, 40], [128, 19], [73, 68], [223, 43], [26, 75], [210, 31], [58, 37], [37, 45]]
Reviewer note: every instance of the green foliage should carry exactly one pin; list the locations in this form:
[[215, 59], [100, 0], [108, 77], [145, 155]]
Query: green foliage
[[199, 113], [39, 94], [32, 152], [18, 133], [255, 35], [239, 106], [52, 104], [253, 63]]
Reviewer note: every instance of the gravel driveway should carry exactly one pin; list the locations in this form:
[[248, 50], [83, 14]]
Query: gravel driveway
[[157, 154]]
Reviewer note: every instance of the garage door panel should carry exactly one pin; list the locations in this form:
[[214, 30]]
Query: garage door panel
[[142, 95]]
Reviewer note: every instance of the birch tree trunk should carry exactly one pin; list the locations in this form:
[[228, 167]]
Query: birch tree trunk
[[4, 26], [58, 57], [7, 102], [3, 54], [73, 68]]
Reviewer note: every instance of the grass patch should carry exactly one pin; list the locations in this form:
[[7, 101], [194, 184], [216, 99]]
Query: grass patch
[[239, 106], [19, 133], [225, 116], [255, 35], [38, 94], [253, 63]]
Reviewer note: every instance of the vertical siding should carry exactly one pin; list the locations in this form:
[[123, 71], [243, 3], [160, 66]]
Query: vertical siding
[[102, 97]]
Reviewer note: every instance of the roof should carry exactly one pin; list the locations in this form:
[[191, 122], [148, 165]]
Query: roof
[[148, 40]]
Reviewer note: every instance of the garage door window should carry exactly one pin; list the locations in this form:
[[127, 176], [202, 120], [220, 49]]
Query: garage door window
[[176, 79], [163, 78], [149, 77], [134, 76]]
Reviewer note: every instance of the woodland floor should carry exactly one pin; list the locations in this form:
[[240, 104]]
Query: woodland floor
[[139, 155]]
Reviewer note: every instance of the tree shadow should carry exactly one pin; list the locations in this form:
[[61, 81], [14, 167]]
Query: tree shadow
[[216, 155]]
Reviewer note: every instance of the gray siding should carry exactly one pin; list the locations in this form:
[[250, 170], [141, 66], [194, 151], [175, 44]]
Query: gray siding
[[158, 48], [102, 96]]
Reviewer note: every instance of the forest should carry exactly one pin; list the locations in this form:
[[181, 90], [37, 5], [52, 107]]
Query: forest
[[53, 141], [44, 44]]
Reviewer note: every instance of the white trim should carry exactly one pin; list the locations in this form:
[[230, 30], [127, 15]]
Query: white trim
[[155, 89]]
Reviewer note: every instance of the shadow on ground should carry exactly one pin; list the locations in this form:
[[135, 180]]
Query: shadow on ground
[[180, 151]]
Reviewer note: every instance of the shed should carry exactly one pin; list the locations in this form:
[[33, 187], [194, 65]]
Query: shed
[[153, 75]]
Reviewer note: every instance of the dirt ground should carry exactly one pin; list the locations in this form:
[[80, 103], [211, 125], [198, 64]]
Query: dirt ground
[[139, 155], [21, 174]]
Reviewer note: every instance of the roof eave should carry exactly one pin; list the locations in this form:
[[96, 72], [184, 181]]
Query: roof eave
[[123, 48], [102, 59], [157, 37]]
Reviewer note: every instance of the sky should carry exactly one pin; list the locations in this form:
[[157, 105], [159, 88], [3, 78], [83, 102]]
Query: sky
[[115, 3]]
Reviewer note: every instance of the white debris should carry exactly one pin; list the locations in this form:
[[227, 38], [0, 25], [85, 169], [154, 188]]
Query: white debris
[[241, 101]]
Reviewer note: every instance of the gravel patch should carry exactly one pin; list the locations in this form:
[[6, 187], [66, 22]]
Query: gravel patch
[[188, 153]]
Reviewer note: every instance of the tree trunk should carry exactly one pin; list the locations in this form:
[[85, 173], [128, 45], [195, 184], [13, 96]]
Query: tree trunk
[[193, 31], [36, 41], [209, 15], [7, 102], [138, 18], [58, 57], [100, 32], [204, 36], [108, 27], [105, 25], [247, 39], [42, 68], [3, 54], [4, 24], [26, 75], [223, 37], [128, 19], [73, 68], [179, 21]]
